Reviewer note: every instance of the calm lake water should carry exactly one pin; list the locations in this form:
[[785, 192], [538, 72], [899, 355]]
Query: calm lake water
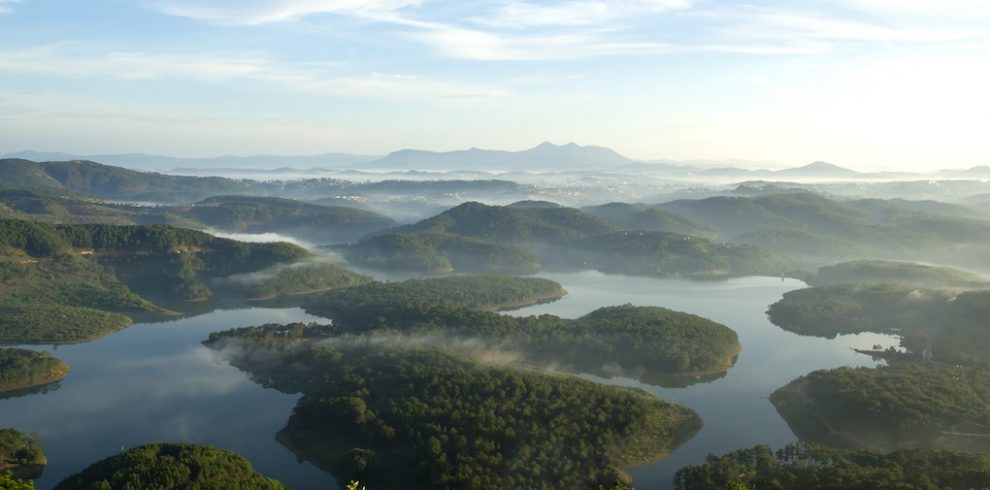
[[155, 382]]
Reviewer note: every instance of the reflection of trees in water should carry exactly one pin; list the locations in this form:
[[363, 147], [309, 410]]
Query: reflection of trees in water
[[34, 390]]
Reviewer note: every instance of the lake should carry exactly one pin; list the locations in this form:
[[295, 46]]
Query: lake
[[155, 382]]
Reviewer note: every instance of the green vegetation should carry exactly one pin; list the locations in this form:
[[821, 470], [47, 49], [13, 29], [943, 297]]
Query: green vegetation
[[903, 405], [171, 467], [822, 230], [644, 217], [811, 467], [396, 417], [935, 324], [300, 278], [20, 369], [435, 253], [70, 283], [878, 272], [20, 454], [9, 482], [648, 343], [474, 237], [94, 179], [274, 214]]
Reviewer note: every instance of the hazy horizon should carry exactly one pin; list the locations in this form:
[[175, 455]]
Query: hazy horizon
[[864, 84]]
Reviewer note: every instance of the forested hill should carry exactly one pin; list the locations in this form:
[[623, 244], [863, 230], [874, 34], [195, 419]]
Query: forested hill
[[808, 225], [96, 179], [46, 240], [475, 237], [71, 283], [512, 224]]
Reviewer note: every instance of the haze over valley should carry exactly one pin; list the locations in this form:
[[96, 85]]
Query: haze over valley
[[373, 245]]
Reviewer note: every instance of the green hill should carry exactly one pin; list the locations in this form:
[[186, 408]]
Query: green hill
[[274, 214], [653, 344], [21, 454], [440, 253], [453, 421], [877, 272], [505, 224], [812, 467], [171, 467], [65, 283], [552, 236], [21, 368], [821, 229], [648, 218], [890, 407]]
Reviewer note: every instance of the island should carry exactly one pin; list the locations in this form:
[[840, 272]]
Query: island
[[652, 344], [934, 324], [20, 455], [890, 407], [812, 467], [898, 273], [170, 466], [400, 415], [22, 369]]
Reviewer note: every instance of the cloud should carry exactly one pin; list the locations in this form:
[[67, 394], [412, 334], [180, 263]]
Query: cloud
[[256, 12], [521, 14], [62, 60], [458, 42], [5, 6]]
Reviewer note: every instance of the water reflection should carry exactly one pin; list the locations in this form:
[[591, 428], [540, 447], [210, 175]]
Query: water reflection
[[155, 382], [735, 409]]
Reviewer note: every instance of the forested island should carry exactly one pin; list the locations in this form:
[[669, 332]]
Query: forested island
[[22, 369], [897, 273], [889, 407], [812, 467], [171, 466], [396, 416], [71, 283], [942, 325], [649, 343], [21, 454]]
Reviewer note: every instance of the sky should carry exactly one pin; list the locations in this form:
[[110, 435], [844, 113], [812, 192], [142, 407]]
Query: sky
[[866, 84]]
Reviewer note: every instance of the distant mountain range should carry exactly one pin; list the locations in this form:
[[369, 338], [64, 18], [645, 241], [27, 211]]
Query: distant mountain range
[[546, 157]]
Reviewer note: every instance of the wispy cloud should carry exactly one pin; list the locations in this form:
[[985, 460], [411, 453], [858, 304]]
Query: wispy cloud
[[6, 6], [459, 42], [255, 12], [319, 79], [522, 14]]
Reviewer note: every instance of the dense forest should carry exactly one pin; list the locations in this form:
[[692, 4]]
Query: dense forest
[[397, 417], [171, 466], [474, 237], [811, 467], [299, 278], [643, 342], [66, 283], [21, 454], [943, 325], [822, 230], [21, 368], [903, 405], [885, 272]]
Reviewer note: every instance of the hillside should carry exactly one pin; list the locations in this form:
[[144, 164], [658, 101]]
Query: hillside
[[171, 466], [812, 467], [890, 407], [545, 157], [67, 283], [452, 420], [877, 272], [648, 218], [814, 227], [312, 222], [558, 238]]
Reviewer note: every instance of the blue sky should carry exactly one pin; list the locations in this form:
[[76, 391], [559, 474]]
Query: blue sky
[[896, 84]]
